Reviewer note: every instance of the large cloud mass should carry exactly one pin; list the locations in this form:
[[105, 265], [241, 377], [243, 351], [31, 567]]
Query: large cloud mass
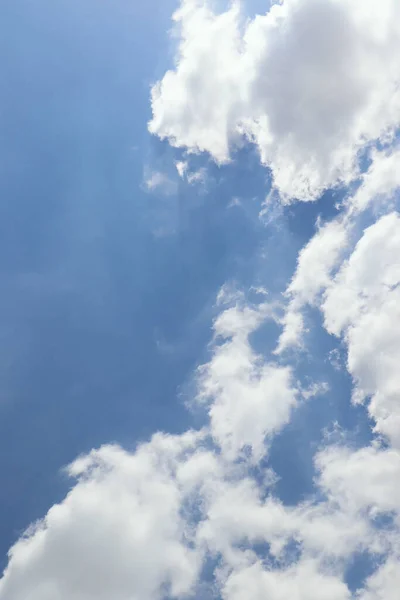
[[310, 82]]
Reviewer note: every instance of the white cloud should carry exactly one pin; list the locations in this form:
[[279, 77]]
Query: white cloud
[[315, 264], [250, 399], [181, 167], [160, 182], [128, 528], [140, 525], [385, 583], [363, 304], [241, 517], [366, 479], [360, 303], [310, 82], [323, 254], [184, 106], [118, 534], [293, 329], [370, 274], [240, 514], [191, 176], [303, 581], [379, 183], [359, 299]]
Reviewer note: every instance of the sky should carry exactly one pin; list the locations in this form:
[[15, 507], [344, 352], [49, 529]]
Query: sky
[[200, 300]]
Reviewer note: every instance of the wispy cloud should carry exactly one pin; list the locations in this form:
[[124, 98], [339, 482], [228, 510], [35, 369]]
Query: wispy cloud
[[156, 181]]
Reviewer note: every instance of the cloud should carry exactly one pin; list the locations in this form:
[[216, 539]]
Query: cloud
[[317, 260], [360, 304], [130, 527], [143, 524], [366, 479], [379, 183], [310, 82], [302, 581], [156, 181], [363, 304], [118, 534], [334, 240], [385, 583], [250, 399], [356, 287], [192, 177], [315, 263]]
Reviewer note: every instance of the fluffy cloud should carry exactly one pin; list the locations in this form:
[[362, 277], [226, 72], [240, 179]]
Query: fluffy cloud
[[366, 479], [379, 183], [118, 534], [130, 527], [302, 581], [363, 303], [356, 288], [142, 524], [360, 303], [250, 399], [315, 264], [385, 583], [310, 83], [334, 240]]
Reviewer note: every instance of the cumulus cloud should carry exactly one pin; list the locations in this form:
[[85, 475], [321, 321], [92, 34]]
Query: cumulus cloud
[[128, 527], [385, 583], [302, 581], [250, 399], [142, 524], [118, 534], [379, 183], [334, 241], [360, 304], [316, 261], [366, 479], [363, 303], [310, 82], [356, 287]]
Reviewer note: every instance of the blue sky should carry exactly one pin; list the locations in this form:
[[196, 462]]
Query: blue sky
[[79, 310], [120, 275], [90, 296]]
